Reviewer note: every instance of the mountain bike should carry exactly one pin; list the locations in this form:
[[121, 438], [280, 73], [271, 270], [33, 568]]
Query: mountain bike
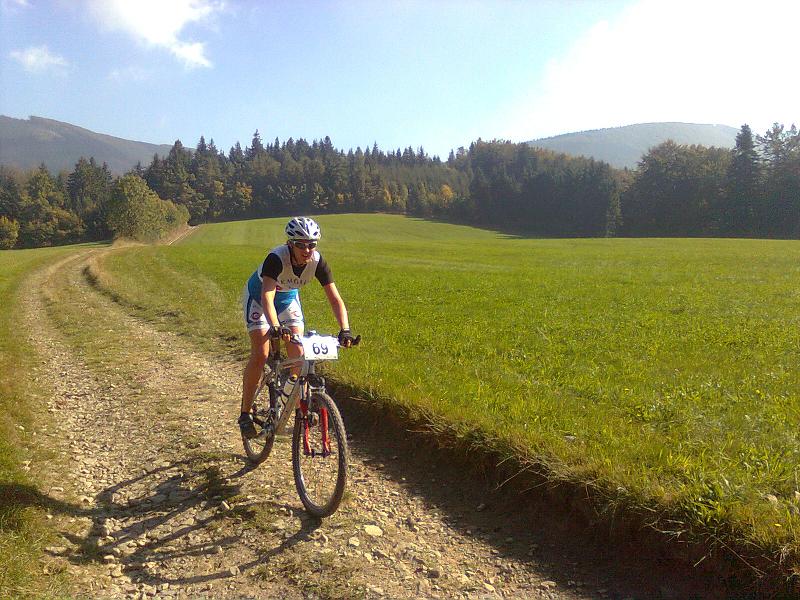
[[319, 443]]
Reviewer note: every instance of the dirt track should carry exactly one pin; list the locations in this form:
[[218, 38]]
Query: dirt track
[[154, 496]]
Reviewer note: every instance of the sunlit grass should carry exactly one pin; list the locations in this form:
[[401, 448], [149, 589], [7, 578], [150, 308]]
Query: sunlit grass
[[661, 372]]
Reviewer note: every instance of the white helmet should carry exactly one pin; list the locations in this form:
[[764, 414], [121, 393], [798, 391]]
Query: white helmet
[[303, 228]]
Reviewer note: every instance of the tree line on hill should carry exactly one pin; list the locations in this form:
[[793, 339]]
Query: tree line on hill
[[676, 190], [752, 190]]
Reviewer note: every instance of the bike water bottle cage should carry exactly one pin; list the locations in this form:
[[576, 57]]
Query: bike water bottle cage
[[289, 385]]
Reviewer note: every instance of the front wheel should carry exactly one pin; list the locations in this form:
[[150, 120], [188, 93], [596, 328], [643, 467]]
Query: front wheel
[[319, 455]]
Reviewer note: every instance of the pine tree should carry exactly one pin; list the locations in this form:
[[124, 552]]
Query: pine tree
[[88, 190], [11, 194], [256, 147], [742, 187], [207, 179]]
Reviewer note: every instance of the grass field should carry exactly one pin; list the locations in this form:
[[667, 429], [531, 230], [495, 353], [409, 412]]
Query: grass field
[[662, 373], [22, 522]]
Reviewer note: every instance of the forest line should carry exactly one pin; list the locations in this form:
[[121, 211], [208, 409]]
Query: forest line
[[752, 190]]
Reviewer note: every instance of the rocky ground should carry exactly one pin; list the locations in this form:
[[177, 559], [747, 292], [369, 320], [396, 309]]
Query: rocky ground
[[152, 495]]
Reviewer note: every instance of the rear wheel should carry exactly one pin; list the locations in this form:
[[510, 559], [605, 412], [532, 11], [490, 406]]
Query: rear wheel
[[258, 448], [320, 455]]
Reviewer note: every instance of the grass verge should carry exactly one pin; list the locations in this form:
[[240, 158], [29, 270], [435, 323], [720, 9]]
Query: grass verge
[[23, 507]]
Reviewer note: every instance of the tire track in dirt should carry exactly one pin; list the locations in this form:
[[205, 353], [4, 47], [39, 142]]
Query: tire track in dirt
[[156, 498]]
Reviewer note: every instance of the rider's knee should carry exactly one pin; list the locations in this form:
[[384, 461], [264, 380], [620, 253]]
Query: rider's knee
[[258, 359]]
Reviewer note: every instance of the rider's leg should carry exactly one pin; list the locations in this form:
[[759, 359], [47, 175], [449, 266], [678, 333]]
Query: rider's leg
[[259, 347], [292, 317], [294, 350]]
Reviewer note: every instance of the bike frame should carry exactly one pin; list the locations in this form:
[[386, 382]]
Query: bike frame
[[306, 384]]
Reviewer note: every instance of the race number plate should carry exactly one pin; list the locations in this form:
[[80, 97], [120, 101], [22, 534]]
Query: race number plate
[[320, 347]]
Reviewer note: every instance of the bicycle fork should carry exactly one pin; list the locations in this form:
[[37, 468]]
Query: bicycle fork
[[309, 421]]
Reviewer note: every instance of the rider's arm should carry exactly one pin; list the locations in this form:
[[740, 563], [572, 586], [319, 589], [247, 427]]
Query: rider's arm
[[268, 286], [337, 304]]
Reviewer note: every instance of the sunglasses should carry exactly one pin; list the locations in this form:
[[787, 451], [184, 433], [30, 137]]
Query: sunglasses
[[304, 245]]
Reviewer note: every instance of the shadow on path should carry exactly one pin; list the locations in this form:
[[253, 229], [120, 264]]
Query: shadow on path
[[164, 515]]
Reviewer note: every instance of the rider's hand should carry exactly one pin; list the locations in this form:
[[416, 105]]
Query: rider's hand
[[346, 338], [280, 331]]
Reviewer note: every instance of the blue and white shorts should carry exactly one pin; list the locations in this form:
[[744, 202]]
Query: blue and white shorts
[[287, 305]]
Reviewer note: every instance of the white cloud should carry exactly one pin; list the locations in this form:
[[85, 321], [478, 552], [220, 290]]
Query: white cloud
[[692, 61], [132, 73], [9, 5], [192, 54], [38, 58], [159, 23]]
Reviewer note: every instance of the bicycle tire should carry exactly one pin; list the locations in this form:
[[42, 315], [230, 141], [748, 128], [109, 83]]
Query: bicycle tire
[[327, 503], [258, 449]]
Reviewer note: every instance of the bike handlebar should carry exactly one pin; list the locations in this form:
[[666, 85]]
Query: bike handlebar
[[297, 339]]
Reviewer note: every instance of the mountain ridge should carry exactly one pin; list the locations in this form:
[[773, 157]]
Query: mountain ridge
[[27, 143], [624, 146]]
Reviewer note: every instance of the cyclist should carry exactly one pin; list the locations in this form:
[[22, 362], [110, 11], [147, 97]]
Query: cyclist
[[271, 303]]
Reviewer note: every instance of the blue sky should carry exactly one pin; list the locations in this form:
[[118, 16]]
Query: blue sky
[[437, 74]]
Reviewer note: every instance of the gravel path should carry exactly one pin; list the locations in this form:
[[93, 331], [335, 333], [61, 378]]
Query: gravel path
[[153, 495]]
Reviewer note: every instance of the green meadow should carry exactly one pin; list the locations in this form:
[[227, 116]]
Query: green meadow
[[662, 373]]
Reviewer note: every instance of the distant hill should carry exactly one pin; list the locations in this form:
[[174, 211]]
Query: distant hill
[[28, 143], [625, 146]]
